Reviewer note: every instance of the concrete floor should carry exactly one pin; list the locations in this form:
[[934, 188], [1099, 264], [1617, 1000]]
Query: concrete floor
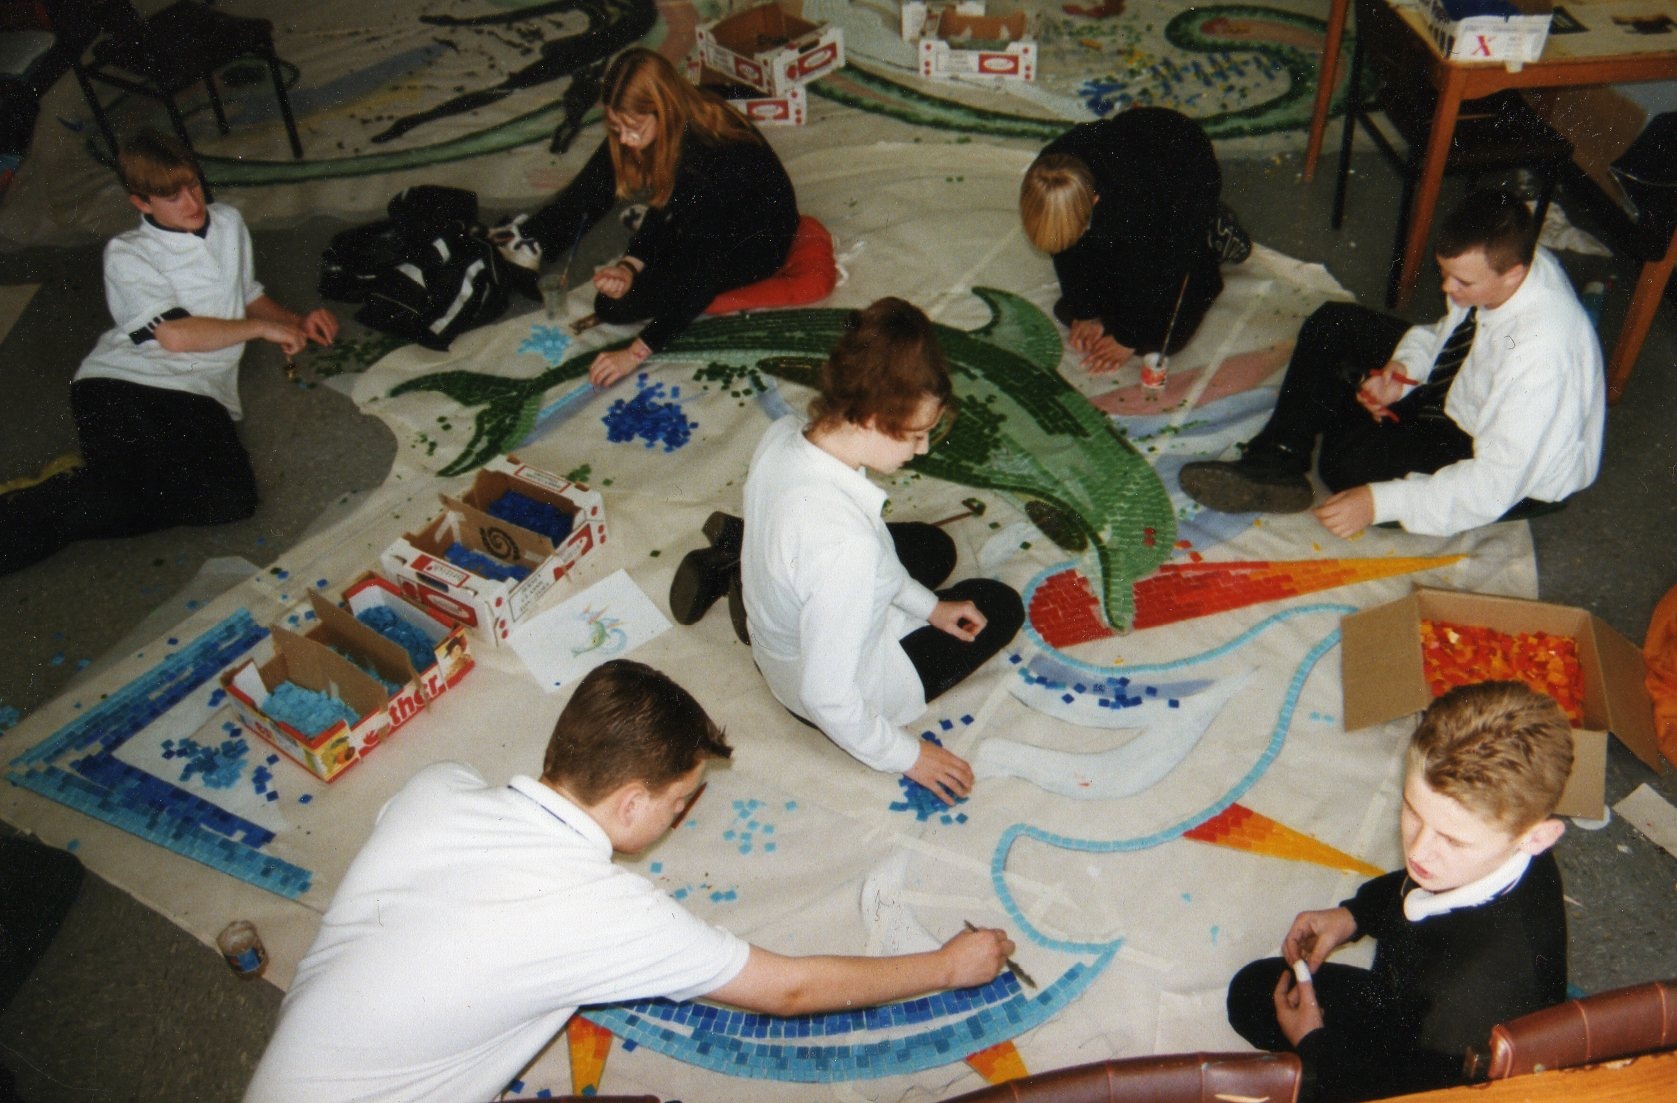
[[126, 1006]]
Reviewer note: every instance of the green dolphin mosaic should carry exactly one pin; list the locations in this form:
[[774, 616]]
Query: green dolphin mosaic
[[1022, 429]]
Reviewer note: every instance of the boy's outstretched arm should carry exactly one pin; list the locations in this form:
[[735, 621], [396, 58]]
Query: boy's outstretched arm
[[781, 985], [264, 320]]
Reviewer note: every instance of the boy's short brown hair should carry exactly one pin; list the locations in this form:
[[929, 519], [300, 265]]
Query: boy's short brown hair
[[155, 165], [1056, 201], [1495, 220], [1501, 750], [627, 722], [885, 362]]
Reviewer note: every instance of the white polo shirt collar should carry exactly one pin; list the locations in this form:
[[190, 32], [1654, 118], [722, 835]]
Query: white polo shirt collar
[[564, 811]]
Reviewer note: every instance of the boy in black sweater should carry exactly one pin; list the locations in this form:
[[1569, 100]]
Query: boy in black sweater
[[1471, 931]]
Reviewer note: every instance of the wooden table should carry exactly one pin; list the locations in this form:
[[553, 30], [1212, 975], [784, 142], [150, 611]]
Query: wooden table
[[1645, 1080], [1603, 54]]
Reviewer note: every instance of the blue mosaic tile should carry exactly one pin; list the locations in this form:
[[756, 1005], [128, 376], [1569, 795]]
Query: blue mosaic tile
[[77, 766]]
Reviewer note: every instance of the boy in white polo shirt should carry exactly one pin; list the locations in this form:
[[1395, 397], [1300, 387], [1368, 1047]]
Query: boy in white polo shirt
[[479, 917], [156, 399]]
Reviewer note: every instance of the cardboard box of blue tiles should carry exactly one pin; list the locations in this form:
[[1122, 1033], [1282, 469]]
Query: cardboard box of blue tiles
[[453, 653], [337, 628], [310, 665], [418, 562], [1385, 678]]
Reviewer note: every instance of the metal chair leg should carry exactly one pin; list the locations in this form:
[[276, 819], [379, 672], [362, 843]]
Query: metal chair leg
[[284, 104], [1353, 111]]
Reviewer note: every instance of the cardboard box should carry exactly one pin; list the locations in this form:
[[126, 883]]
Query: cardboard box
[[1384, 679], [311, 666], [448, 639], [770, 49], [1517, 37], [956, 44], [337, 629], [418, 562], [791, 108]]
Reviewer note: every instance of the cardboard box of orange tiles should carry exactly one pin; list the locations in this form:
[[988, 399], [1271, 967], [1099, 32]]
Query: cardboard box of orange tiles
[[449, 645], [790, 108], [1517, 37], [311, 665], [418, 562], [770, 49], [960, 42], [1384, 675]]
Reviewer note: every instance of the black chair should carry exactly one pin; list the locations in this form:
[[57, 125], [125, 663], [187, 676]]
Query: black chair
[[1494, 134], [163, 55]]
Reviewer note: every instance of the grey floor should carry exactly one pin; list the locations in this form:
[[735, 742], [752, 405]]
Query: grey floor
[[125, 1006]]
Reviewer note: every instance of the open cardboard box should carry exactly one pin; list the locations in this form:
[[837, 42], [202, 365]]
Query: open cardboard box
[[958, 41], [1384, 679], [448, 639], [338, 629], [418, 561], [311, 665], [790, 108], [771, 49]]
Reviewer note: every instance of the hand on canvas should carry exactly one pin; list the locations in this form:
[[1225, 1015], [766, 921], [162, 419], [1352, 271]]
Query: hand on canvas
[[1348, 512], [945, 773], [1084, 334], [1106, 356], [960, 619], [609, 367], [976, 957]]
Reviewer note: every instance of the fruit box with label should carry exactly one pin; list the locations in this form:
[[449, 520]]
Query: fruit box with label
[[451, 650], [790, 108], [382, 659], [1489, 30], [960, 42], [418, 562], [771, 49], [310, 665], [1384, 675]]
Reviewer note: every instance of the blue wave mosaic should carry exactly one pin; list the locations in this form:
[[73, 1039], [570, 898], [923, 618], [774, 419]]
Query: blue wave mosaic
[[77, 766], [897, 1038]]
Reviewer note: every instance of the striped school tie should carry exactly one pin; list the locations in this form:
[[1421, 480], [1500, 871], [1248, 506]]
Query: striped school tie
[[1449, 362]]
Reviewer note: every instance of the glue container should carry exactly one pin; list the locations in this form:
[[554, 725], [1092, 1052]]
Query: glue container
[[242, 947], [1154, 369]]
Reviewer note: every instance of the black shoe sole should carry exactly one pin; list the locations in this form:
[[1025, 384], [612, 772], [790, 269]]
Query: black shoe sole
[[700, 579], [1226, 488]]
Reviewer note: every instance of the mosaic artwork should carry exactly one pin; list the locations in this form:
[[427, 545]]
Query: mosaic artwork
[[1152, 807], [404, 90], [1022, 429]]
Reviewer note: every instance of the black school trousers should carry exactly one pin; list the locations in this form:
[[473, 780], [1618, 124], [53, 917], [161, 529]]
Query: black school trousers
[[153, 458], [941, 660], [1337, 347]]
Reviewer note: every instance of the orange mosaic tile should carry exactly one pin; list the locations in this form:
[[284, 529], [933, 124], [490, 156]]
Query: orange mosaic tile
[[999, 1063], [1240, 828], [590, 1045], [1065, 612]]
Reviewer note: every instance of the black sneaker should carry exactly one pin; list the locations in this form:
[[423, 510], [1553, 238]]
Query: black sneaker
[[700, 579], [1227, 238], [1252, 484]]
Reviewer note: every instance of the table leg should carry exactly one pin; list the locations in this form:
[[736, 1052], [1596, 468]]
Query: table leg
[[1428, 185], [1327, 76], [1644, 304]]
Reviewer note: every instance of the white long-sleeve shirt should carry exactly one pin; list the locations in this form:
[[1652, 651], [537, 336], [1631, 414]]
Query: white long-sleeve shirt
[[1532, 396], [828, 600]]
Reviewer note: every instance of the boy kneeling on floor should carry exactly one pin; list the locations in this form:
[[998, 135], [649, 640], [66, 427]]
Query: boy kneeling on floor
[[1471, 932]]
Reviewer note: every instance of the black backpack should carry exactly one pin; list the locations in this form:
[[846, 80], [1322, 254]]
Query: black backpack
[[425, 273]]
